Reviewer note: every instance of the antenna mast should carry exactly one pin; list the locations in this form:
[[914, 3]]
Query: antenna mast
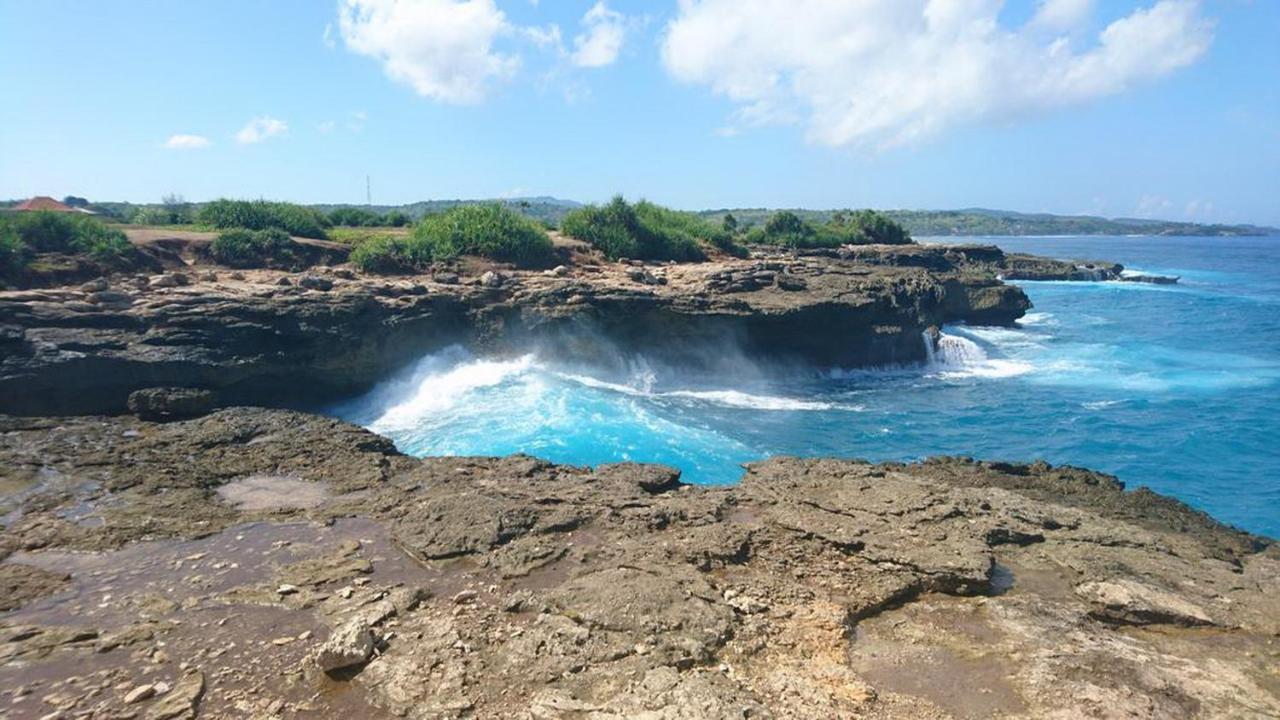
[[368, 192]]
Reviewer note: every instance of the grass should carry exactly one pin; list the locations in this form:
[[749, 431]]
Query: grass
[[262, 215], [490, 231], [645, 231], [242, 248], [32, 232], [863, 227]]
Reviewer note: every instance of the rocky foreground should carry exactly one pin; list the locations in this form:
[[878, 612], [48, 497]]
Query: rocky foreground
[[266, 563]]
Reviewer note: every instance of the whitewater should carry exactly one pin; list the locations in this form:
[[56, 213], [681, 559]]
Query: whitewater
[[1171, 387]]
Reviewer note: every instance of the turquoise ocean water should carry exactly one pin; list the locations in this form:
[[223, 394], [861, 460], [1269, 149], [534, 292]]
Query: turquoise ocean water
[[1173, 387]]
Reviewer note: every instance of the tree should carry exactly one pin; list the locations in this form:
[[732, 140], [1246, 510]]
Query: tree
[[730, 224], [76, 202]]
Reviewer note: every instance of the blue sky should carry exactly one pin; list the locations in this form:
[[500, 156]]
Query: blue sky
[[1161, 108]]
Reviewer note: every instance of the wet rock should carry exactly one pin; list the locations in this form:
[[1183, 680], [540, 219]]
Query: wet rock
[[350, 645], [20, 584], [166, 403]]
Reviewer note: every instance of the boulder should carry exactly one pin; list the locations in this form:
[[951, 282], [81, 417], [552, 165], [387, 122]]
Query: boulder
[[348, 646], [168, 403]]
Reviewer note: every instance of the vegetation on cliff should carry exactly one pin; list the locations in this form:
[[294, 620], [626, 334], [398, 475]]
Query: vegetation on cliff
[[645, 231], [261, 215], [863, 227], [22, 235], [491, 231], [252, 248]]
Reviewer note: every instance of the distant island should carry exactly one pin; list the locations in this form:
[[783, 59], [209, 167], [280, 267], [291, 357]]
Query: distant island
[[919, 223]]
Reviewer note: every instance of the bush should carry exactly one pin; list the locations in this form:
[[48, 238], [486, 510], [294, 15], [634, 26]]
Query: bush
[[262, 215], [68, 233], [354, 217], [487, 230], [384, 255], [252, 248], [845, 228], [395, 218], [14, 254], [646, 231]]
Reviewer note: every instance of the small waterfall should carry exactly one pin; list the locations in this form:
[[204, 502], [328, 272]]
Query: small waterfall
[[953, 350]]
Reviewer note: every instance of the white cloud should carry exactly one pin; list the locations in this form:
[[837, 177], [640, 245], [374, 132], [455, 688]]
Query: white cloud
[[890, 72], [186, 142], [443, 49], [602, 40], [1062, 14], [261, 128]]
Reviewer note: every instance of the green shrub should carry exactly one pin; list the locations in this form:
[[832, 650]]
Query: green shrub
[[645, 231], [385, 255], [261, 215], [488, 230], [160, 216], [354, 217], [252, 248], [69, 233], [845, 228], [14, 254], [395, 218]]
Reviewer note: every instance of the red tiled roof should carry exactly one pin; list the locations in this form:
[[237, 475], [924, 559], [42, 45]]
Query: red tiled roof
[[41, 202]]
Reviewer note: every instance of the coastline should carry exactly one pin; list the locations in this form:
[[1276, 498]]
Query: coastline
[[383, 585]]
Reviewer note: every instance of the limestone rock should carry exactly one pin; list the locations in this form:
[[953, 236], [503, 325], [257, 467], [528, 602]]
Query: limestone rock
[[349, 645]]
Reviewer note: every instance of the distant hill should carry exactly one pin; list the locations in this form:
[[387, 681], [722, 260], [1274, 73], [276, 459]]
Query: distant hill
[[981, 221]]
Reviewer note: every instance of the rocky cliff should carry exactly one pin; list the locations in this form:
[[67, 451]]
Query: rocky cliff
[[294, 339]]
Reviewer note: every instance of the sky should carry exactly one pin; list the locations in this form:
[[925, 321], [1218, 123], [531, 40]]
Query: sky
[[1132, 108]]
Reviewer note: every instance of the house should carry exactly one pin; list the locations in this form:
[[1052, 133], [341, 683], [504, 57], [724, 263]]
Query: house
[[40, 202]]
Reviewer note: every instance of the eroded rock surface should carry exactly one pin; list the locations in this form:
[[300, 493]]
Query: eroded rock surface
[[515, 588]]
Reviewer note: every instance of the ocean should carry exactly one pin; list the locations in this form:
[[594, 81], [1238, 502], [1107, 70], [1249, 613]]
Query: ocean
[[1176, 388]]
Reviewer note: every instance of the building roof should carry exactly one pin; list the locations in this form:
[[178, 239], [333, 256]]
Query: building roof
[[41, 202]]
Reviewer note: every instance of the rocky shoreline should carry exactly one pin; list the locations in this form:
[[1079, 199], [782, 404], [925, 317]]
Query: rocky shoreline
[[267, 563], [255, 562]]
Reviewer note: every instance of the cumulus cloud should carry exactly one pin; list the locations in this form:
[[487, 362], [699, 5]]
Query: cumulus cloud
[[599, 44], [443, 49], [186, 142], [889, 72], [260, 129]]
